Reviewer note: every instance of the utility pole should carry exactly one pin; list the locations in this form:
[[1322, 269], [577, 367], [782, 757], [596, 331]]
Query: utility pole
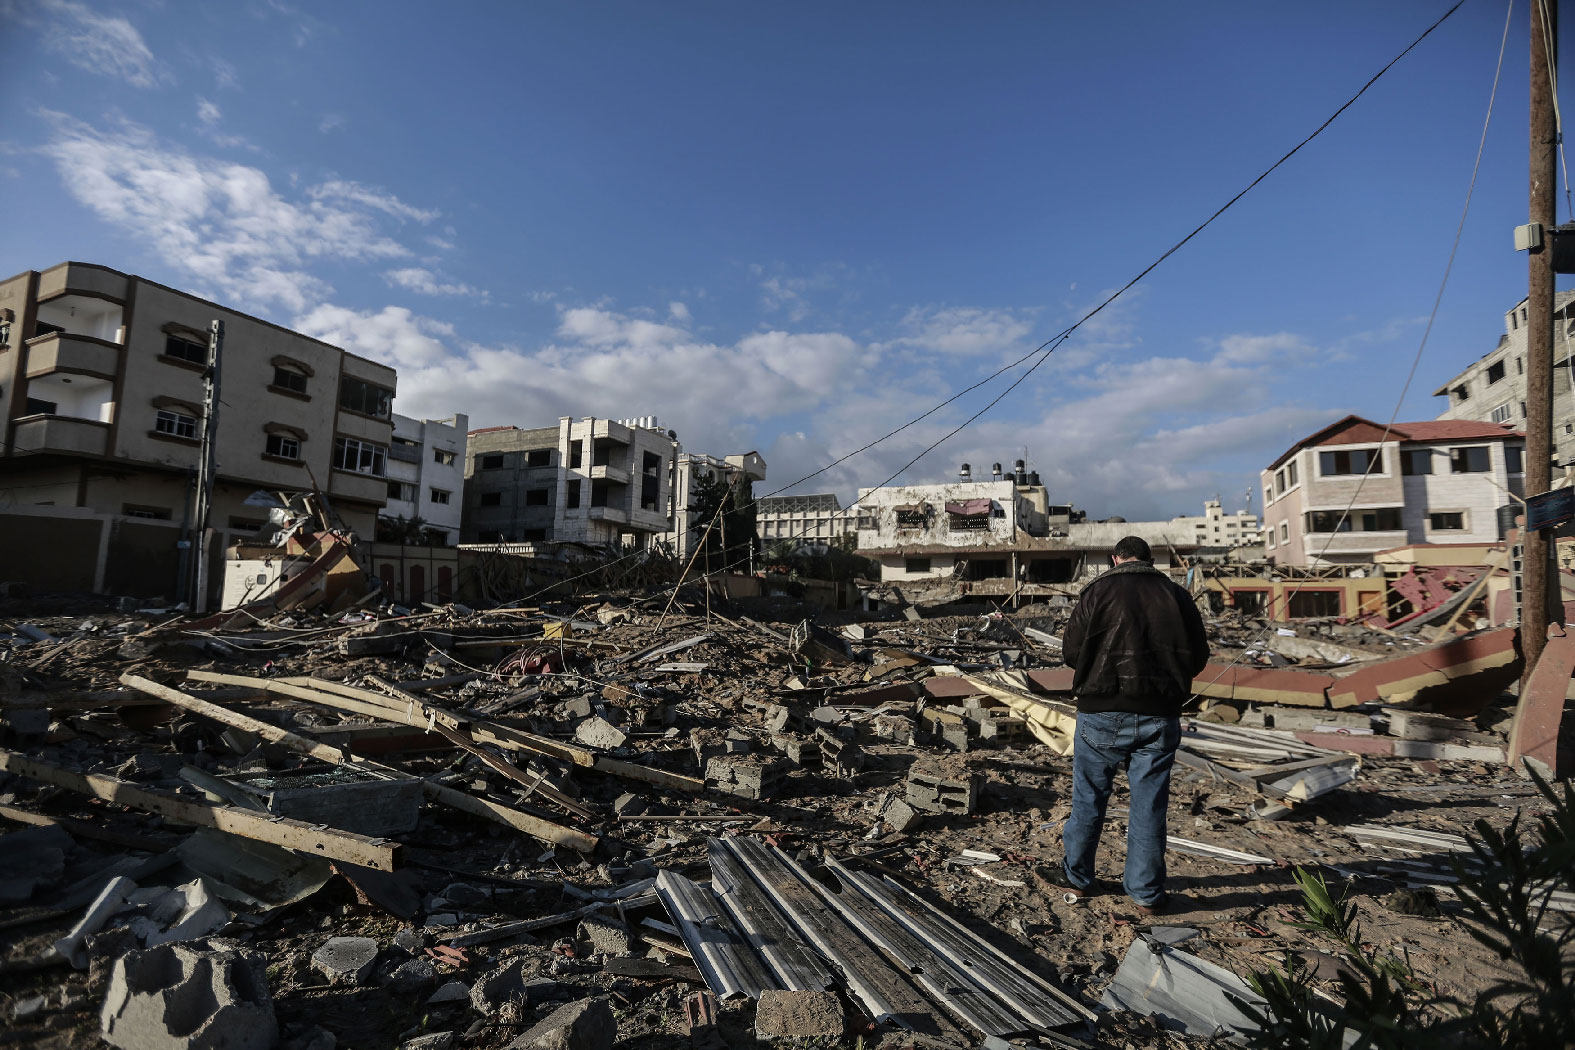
[[205, 469]]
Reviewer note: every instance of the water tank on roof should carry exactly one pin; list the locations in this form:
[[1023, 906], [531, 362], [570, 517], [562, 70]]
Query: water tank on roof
[[965, 472]]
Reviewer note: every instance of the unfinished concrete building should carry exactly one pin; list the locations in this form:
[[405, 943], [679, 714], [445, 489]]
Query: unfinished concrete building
[[816, 518], [597, 481]]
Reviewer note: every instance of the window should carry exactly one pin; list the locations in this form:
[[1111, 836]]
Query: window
[[571, 494], [1501, 413], [1384, 519], [537, 497], [1285, 532], [1279, 481], [910, 518], [133, 510], [1305, 604], [1290, 473], [1449, 520], [360, 457], [443, 457], [1512, 460], [185, 350], [916, 565], [441, 496], [1268, 496], [1350, 461], [283, 446], [1415, 461], [575, 454], [1495, 372], [651, 463], [1520, 366], [37, 406], [491, 499], [401, 490], [493, 461], [967, 523], [175, 424], [289, 379], [539, 457], [358, 395], [1471, 459], [1379, 519], [1462, 393]]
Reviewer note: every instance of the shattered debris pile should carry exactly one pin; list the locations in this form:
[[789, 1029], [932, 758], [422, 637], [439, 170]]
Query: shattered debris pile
[[623, 819]]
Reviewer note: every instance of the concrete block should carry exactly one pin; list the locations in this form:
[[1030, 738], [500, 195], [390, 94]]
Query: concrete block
[[451, 992], [606, 937], [430, 1041], [747, 776], [577, 708], [931, 792], [1008, 731], [801, 751], [900, 816], [798, 1016], [629, 805], [586, 1025], [598, 732], [841, 758], [364, 801], [896, 728], [345, 960], [414, 972], [188, 997]]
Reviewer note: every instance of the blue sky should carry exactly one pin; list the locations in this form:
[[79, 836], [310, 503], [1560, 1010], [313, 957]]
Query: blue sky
[[793, 227]]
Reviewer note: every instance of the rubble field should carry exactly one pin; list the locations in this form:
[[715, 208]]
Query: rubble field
[[624, 820]]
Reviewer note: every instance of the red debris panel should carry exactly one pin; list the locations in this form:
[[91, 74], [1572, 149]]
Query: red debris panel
[[969, 508], [1542, 709]]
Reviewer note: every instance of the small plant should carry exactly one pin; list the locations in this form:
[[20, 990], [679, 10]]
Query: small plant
[[1505, 887]]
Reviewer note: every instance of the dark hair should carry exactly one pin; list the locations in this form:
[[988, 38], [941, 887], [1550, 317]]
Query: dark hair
[[1134, 547]]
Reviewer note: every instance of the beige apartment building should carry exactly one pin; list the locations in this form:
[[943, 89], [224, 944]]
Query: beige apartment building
[[101, 398], [1352, 489]]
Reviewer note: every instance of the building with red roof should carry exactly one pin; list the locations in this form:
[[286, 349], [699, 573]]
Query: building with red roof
[[1357, 487]]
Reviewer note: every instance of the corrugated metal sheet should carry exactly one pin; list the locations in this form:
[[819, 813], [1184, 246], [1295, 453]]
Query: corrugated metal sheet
[[764, 926], [718, 948]]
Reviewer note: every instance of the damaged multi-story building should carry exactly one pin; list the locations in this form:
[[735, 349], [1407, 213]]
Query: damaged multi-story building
[[101, 397], [1354, 488], [815, 518], [692, 471]]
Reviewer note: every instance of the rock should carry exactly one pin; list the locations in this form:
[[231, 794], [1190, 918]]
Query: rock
[[899, 816], [506, 986], [446, 918], [1422, 902], [628, 805], [215, 1000], [345, 960], [598, 732], [463, 895], [414, 971], [29, 1007], [453, 991], [585, 1025], [430, 1041], [798, 1015], [606, 937], [410, 940]]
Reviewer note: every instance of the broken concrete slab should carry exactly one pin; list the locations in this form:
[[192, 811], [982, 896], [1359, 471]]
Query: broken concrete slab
[[345, 960], [451, 991], [600, 733], [585, 1025], [430, 1041], [605, 936], [188, 997], [799, 1015], [899, 816], [932, 791], [748, 776]]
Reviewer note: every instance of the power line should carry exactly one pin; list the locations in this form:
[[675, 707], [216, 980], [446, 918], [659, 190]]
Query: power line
[[1045, 349]]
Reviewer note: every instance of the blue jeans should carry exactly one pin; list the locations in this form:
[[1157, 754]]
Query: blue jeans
[[1147, 744]]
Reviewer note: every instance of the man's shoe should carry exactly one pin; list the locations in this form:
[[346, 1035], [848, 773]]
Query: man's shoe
[[1159, 906]]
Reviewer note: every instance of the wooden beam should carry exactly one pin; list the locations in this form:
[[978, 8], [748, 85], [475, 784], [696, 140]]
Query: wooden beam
[[545, 830], [280, 831]]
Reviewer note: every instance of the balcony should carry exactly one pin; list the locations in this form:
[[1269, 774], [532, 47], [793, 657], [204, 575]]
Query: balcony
[[616, 515], [618, 475], [63, 352], [364, 488], [97, 281], [405, 453], [61, 434]]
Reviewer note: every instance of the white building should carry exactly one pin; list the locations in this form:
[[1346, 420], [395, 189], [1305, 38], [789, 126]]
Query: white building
[[921, 531], [690, 470], [813, 518], [1343, 494], [426, 476], [1218, 529]]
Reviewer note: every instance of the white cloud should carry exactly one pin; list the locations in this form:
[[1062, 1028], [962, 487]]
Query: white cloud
[[964, 330], [425, 282], [207, 112], [220, 222], [100, 44], [1261, 349], [331, 122], [678, 312], [366, 196], [393, 335]]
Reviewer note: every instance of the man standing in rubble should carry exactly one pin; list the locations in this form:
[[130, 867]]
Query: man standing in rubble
[[1135, 642]]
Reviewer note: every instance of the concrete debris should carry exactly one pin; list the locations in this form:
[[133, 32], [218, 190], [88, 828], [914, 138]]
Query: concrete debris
[[585, 1025], [188, 997], [747, 776], [345, 960], [930, 791], [799, 1015]]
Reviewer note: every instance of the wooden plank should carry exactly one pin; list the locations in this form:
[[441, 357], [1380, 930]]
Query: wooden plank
[[531, 825], [1274, 772], [280, 831], [83, 829]]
